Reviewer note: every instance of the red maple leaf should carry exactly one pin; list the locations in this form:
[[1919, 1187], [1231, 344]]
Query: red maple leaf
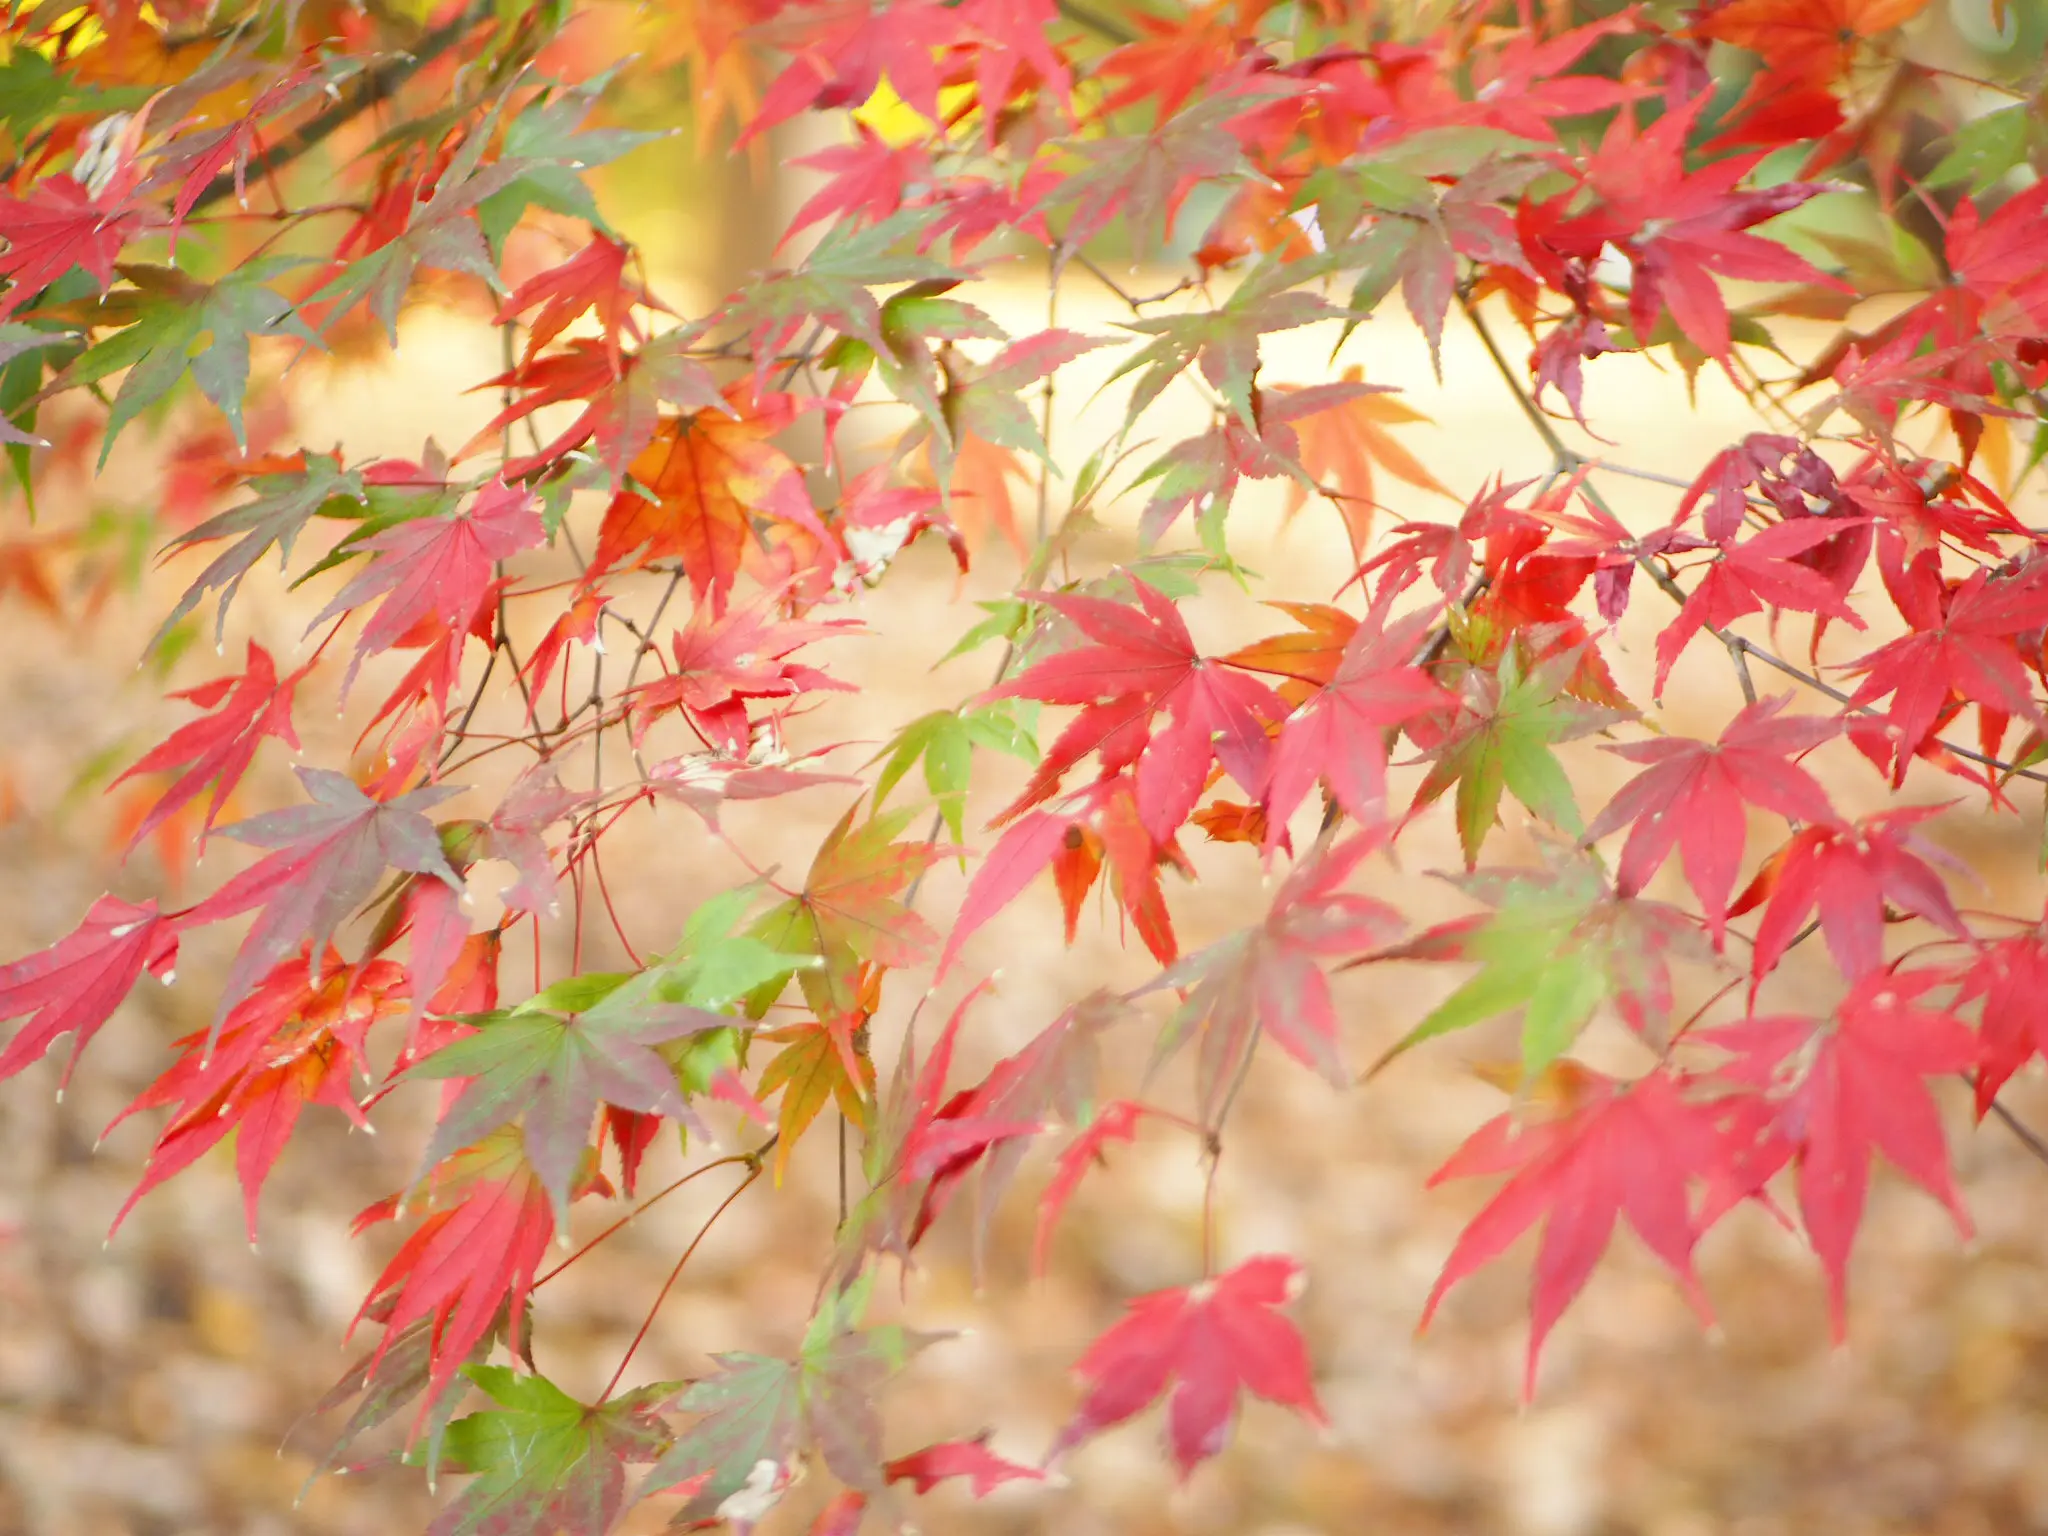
[[1803, 43], [594, 279], [1143, 663], [74, 986], [1849, 873], [578, 626], [2011, 976], [58, 226], [1692, 793], [1616, 1149], [1340, 444], [1760, 572], [724, 660], [1264, 980], [1093, 825], [1969, 652], [436, 570], [1206, 1343], [868, 178], [1342, 734], [477, 1250], [971, 1459], [217, 750], [1117, 1121], [294, 1041], [330, 858], [1858, 1086], [1679, 227], [623, 395]]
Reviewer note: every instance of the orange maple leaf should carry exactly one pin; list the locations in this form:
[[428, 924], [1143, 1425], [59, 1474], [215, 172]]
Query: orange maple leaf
[[1804, 42], [709, 473], [1340, 446]]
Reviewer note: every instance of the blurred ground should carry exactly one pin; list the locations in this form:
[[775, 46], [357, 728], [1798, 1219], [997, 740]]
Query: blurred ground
[[146, 1387]]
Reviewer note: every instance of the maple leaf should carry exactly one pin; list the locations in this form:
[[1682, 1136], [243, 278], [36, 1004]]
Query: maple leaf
[[218, 749], [1757, 573], [832, 287], [577, 625], [1692, 793], [866, 180], [1618, 1149], [1558, 944], [1804, 43], [594, 279], [810, 1071], [1222, 342], [987, 404], [945, 741], [1678, 228], [330, 857], [536, 801], [1848, 872], [723, 660], [392, 1375], [284, 503], [435, 569], [1265, 980], [1969, 652], [623, 395], [708, 471], [1097, 823], [197, 158], [466, 1262], [1116, 1121], [758, 1413], [551, 1060], [971, 1459], [173, 324], [2011, 976], [1838, 1091], [1143, 662], [74, 986], [1342, 441], [61, 225], [850, 911], [1207, 1343], [1055, 1075], [294, 1041], [1342, 732], [544, 1462], [1501, 742], [1147, 177]]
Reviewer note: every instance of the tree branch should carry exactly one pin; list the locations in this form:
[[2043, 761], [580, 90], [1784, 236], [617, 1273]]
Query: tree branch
[[370, 88]]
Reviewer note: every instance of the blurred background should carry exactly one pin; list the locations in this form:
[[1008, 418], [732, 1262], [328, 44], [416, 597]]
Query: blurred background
[[162, 1384]]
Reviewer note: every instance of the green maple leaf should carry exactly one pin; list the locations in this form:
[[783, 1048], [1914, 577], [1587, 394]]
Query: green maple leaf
[[760, 1411], [554, 1058], [542, 1461], [910, 322], [176, 325], [945, 741], [1224, 342], [1147, 176], [388, 1378], [545, 152], [282, 507], [1558, 944], [832, 287], [1513, 715]]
